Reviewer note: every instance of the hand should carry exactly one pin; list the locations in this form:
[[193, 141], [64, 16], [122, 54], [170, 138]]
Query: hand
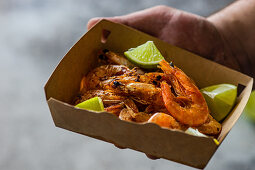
[[182, 29]]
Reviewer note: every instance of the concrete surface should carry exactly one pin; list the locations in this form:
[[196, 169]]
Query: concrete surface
[[34, 35]]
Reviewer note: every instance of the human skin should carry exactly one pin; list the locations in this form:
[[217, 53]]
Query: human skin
[[226, 37], [217, 37], [182, 29], [236, 23]]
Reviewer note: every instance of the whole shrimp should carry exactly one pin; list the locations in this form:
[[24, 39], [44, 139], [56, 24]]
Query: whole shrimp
[[149, 78], [165, 120], [103, 72], [108, 97], [113, 82], [133, 77], [115, 109], [109, 57], [189, 106], [131, 113], [118, 59], [141, 92], [144, 89], [210, 127]]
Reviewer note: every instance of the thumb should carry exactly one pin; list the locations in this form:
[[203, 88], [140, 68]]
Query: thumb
[[150, 21], [94, 21]]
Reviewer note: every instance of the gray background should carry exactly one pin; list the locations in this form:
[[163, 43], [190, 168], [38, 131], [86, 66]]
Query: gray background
[[34, 35]]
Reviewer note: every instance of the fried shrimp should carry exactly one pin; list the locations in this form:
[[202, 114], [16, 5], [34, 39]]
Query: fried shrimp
[[128, 115], [129, 103], [131, 112], [118, 59], [165, 120], [115, 109], [210, 127], [108, 97], [104, 72], [189, 107], [143, 93], [152, 78], [167, 97]]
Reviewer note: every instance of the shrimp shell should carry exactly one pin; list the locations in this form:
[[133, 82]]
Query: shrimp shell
[[210, 127], [192, 111], [165, 120], [118, 59], [103, 72], [108, 97], [115, 109], [144, 93], [129, 103], [108, 57], [126, 115]]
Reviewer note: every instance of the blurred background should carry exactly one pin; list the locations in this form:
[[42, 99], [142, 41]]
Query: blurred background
[[34, 35]]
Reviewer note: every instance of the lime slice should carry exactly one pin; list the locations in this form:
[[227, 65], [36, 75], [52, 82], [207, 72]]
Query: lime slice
[[194, 132], [146, 55], [220, 99], [95, 104], [250, 107]]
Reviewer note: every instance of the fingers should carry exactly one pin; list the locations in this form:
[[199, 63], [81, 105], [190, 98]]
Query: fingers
[[148, 155], [150, 20], [120, 147], [94, 21], [152, 157]]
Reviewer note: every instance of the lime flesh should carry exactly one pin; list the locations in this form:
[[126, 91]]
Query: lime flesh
[[95, 104], [250, 107], [146, 55], [220, 99]]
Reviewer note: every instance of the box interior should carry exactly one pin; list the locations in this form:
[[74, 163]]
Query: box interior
[[202, 71]]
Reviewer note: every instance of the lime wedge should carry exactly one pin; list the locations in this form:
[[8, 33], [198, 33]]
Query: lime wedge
[[95, 104], [220, 99], [250, 107], [146, 55]]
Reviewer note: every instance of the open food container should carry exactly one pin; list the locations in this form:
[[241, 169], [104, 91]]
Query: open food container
[[64, 84]]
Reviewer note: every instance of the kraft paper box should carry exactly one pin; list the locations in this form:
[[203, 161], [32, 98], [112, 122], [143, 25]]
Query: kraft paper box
[[63, 86]]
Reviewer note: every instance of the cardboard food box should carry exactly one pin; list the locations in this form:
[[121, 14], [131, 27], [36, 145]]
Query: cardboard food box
[[63, 86]]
